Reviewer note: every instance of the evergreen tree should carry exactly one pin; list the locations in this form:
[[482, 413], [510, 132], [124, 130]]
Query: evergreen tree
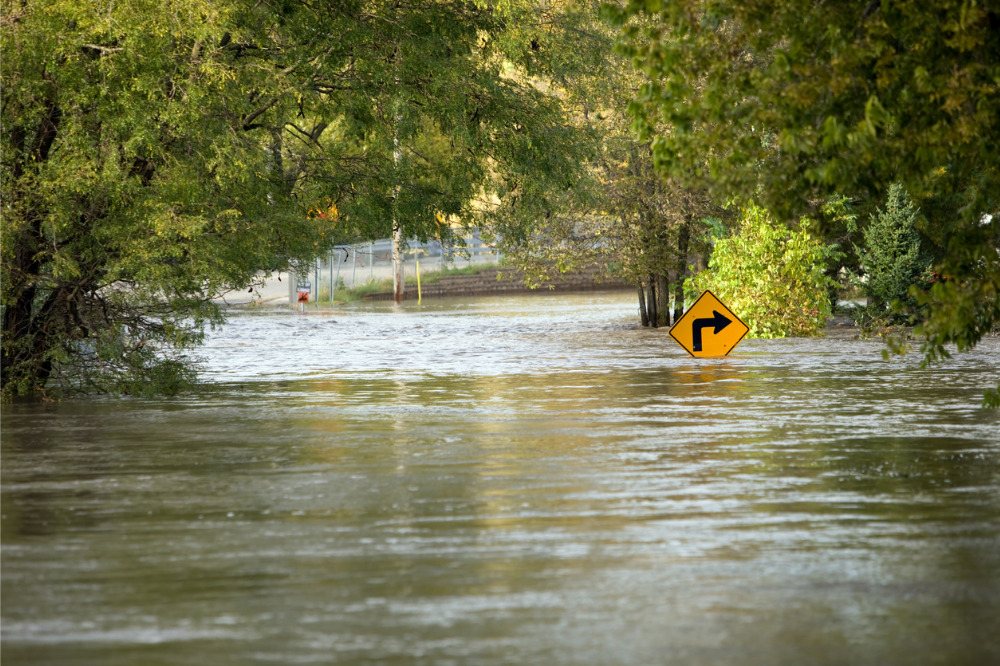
[[892, 259]]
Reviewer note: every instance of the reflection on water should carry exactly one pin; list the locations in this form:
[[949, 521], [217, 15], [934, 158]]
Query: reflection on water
[[509, 481]]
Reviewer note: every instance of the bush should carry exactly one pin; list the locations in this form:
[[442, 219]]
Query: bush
[[772, 277]]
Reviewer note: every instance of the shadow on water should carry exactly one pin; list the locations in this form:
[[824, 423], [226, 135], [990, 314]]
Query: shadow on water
[[509, 481]]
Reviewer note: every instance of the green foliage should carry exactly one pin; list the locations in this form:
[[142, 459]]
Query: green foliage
[[799, 96], [424, 114], [892, 259], [158, 154], [791, 101], [620, 216], [771, 276], [137, 186], [991, 398]]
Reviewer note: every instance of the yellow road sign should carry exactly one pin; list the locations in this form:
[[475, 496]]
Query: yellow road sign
[[708, 328]]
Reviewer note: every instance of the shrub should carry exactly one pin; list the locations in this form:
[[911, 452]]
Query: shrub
[[771, 276]]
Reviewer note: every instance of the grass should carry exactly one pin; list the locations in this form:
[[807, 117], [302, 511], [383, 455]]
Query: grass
[[347, 295]]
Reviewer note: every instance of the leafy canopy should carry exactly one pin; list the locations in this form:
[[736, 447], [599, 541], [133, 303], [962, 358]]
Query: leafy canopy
[[139, 183], [158, 154], [791, 101]]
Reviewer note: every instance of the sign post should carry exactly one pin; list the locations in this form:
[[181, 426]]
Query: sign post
[[708, 328], [304, 288]]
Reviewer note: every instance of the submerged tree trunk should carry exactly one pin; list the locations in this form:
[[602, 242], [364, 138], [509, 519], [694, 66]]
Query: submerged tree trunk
[[679, 297], [683, 242], [654, 318], [663, 299], [643, 315]]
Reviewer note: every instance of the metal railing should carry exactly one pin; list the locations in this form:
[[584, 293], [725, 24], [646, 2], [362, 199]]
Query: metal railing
[[349, 266]]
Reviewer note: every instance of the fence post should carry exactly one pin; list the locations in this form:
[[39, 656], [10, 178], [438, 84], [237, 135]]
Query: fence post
[[331, 281]]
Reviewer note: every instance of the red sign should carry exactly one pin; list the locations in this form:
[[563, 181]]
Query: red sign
[[303, 297]]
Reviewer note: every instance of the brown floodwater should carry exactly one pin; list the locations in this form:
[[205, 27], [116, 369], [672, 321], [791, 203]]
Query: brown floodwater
[[515, 480]]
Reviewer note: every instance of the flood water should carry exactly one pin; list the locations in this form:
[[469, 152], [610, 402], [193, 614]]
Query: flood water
[[521, 480]]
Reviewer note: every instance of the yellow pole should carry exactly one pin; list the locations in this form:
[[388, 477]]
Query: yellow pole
[[419, 295]]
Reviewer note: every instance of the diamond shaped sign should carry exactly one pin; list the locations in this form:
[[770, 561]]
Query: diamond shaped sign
[[708, 328]]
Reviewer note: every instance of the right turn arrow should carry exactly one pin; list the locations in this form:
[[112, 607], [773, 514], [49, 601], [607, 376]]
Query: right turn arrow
[[719, 321]]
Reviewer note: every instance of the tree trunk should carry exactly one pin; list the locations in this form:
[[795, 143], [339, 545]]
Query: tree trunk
[[679, 298], [683, 242], [398, 277], [29, 338], [398, 283], [24, 362], [25, 366], [643, 316], [654, 319], [663, 299]]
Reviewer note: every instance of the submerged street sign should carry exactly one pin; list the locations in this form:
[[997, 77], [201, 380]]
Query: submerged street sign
[[708, 328]]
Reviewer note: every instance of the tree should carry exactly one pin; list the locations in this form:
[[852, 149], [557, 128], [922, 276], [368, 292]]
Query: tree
[[794, 101], [621, 219], [434, 110], [620, 216], [774, 277], [156, 155], [892, 259], [139, 182]]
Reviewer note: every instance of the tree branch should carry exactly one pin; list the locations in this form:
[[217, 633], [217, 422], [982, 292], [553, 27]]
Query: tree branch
[[103, 50], [248, 120]]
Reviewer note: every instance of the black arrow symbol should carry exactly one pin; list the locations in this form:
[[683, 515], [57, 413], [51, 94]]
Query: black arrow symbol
[[718, 321]]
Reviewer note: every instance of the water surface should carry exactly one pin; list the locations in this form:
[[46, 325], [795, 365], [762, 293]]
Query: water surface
[[520, 480]]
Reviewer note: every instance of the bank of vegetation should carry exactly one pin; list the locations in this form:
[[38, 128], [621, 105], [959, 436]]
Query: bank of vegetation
[[157, 154]]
